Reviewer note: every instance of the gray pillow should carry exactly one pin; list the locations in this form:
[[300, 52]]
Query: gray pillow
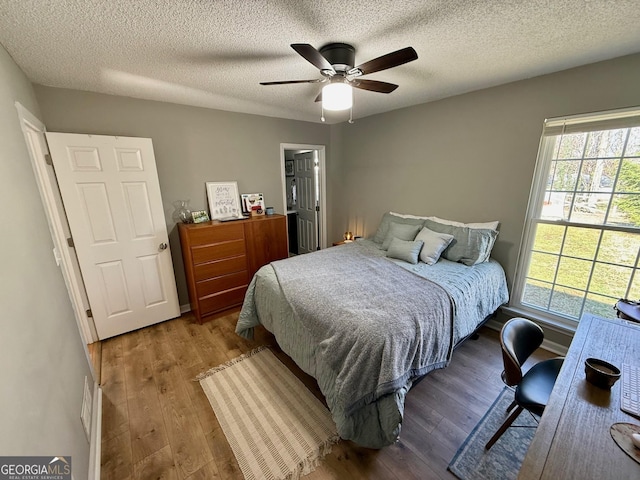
[[434, 244], [469, 246], [406, 250], [387, 218], [401, 231]]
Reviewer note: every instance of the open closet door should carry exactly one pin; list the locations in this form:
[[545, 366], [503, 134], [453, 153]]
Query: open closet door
[[111, 196]]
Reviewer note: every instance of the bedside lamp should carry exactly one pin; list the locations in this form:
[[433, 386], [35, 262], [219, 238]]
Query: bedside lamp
[[348, 236]]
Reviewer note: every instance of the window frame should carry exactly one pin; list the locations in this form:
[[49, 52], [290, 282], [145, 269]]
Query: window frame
[[553, 129]]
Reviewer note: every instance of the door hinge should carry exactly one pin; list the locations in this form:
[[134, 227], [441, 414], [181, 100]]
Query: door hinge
[[89, 313], [70, 242], [317, 208], [47, 158]]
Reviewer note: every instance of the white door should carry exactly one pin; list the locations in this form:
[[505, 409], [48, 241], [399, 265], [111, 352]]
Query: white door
[[305, 171], [111, 195]]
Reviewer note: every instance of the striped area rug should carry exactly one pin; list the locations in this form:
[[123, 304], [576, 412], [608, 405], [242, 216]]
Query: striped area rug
[[276, 428]]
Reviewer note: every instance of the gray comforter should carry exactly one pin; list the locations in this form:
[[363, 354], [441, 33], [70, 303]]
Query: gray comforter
[[372, 311], [375, 334]]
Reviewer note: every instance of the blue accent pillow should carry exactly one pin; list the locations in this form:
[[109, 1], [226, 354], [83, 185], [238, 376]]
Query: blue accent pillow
[[434, 244], [407, 250], [469, 246], [401, 231], [386, 221]]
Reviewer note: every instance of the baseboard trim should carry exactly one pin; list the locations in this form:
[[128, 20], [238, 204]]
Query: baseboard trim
[[95, 449], [553, 347], [185, 308], [565, 328]]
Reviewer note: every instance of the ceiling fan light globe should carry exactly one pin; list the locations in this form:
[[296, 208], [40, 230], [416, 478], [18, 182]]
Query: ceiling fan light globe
[[337, 96]]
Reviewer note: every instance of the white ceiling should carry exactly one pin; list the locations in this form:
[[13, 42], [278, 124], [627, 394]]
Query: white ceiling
[[214, 53]]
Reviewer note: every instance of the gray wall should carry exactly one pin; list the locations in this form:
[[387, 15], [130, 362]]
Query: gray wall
[[41, 353], [471, 157], [192, 146]]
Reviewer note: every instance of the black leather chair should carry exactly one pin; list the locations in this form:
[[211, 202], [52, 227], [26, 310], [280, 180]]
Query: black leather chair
[[519, 339]]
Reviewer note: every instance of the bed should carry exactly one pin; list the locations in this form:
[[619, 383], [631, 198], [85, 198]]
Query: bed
[[367, 325]]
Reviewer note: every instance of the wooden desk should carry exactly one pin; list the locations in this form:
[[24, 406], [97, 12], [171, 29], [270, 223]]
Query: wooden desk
[[573, 439]]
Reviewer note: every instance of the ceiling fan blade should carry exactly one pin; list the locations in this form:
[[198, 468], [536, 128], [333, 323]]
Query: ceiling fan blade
[[311, 55], [389, 60], [284, 82], [374, 86]]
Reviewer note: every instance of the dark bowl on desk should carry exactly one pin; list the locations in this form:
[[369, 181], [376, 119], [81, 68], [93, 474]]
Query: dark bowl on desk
[[600, 373]]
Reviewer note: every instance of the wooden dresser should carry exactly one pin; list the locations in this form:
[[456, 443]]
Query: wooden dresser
[[220, 258]]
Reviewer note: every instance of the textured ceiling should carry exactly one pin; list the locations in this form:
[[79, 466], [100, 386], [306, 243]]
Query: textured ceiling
[[214, 53]]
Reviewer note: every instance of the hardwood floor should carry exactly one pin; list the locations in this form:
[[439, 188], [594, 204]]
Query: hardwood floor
[[157, 422]]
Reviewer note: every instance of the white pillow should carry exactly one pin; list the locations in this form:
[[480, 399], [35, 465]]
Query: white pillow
[[403, 215], [483, 226], [434, 244], [477, 225]]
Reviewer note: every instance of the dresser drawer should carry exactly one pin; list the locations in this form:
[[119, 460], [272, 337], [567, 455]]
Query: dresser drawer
[[222, 300], [225, 282], [221, 233], [209, 270], [218, 251]]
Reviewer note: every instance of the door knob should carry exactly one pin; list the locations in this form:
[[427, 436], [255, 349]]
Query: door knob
[[162, 246]]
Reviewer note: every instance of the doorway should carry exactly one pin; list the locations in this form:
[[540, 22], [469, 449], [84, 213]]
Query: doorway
[[139, 283], [65, 255], [304, 195]]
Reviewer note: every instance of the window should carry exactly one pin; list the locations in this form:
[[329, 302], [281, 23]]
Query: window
[[581, 247]]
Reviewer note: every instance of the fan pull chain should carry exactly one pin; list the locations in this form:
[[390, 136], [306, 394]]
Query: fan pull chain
[[322, 114], [351, 112]]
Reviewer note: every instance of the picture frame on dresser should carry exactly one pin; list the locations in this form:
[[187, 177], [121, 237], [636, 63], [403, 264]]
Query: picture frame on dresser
[[224, 200], [252, 203], [199, 216]]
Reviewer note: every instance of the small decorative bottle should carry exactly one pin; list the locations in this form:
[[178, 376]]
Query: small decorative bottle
[[182, 212]]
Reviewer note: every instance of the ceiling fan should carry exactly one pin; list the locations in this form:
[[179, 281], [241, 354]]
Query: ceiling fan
[[336, 63]]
